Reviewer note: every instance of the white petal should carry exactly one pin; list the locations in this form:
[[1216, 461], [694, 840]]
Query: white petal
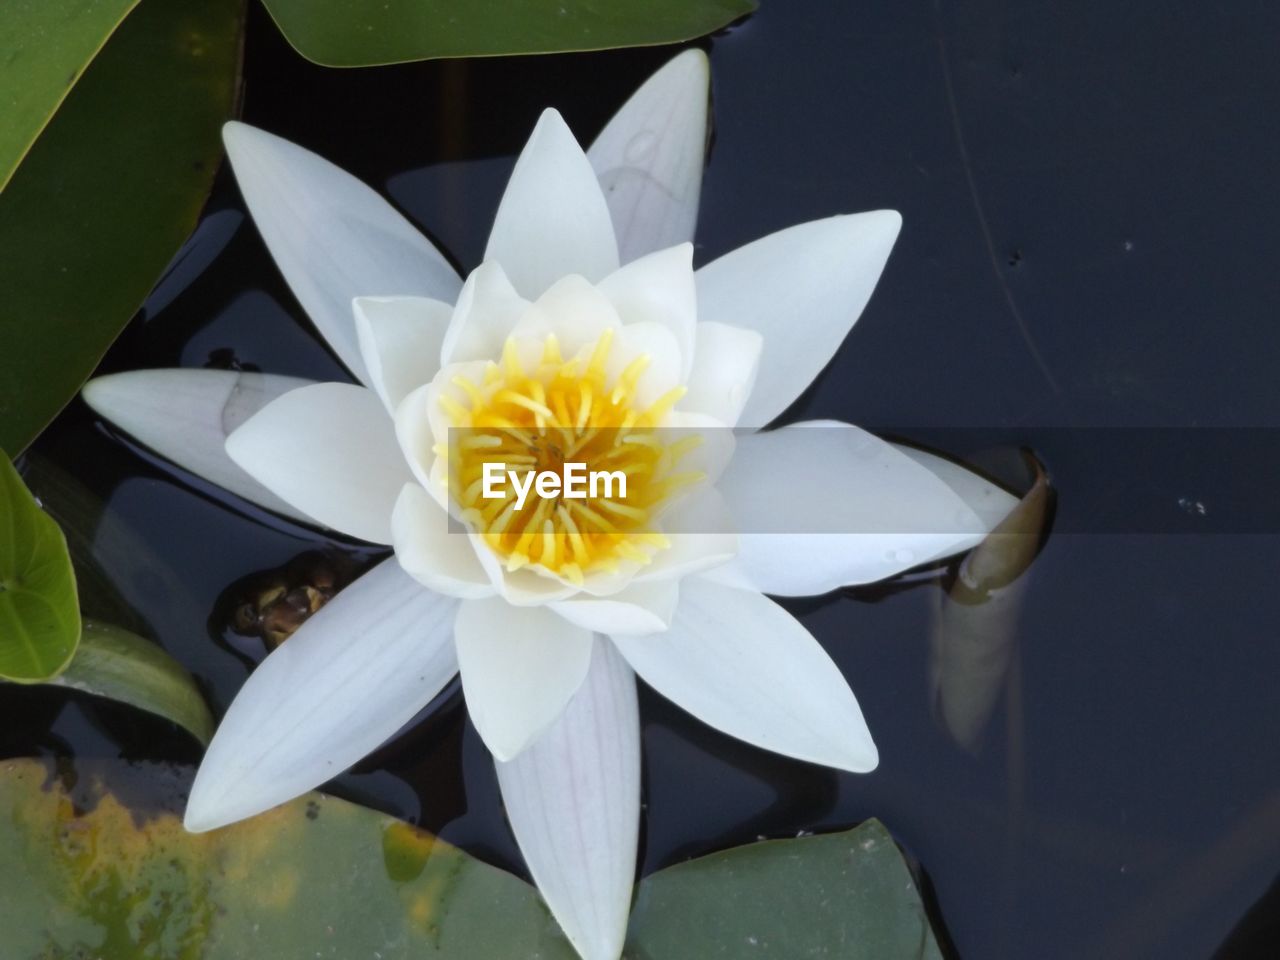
[[572, 310], [523, 587], [726, 360], [802, 289], [186, 416], [640, 608], [650, 157], [350, 677], [822, 505], [422, 422], [519, 669], [400, 341], [487, 310], [659, 288], [330, 450], [552, 220], [984, 498], [332, 237], [573, 799], [415, 436], [657, 344], [700, 528], [430, 552], [740, 663]]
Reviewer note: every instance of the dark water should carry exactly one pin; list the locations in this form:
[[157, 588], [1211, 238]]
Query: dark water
[[1090, 199]]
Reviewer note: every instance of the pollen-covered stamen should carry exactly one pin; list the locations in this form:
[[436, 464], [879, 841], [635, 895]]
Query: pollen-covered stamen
[[537, 415]]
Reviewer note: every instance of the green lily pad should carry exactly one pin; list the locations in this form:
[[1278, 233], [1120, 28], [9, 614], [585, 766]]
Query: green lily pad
[[88, 874], [39, 615], [339, 33], [105, 197], [47, 44], [840, 895], [122, 666]]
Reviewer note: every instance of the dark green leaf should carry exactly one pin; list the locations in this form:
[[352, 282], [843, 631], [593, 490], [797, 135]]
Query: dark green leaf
[[976, 628], [339, 33], [122, 666], [47, 44], [320, 877], [39, 615], [105, 197]]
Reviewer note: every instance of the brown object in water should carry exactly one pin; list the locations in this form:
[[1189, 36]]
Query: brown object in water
[[277, 602]]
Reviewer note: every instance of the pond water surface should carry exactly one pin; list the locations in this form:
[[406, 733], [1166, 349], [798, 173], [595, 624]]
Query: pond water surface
[[1090, 202]]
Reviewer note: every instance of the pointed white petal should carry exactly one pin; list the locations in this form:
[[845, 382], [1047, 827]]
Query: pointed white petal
[[640, 608], [822, 505], [519, 668], [332, 237], [573, 799], [984, 498], [740, 663], [487, 310], [441, 559], [400, 341], [726, 360], [351, 676], [552, 220], [186, 416], [802, 289], [330, 450], [659, 288], [649, 157]]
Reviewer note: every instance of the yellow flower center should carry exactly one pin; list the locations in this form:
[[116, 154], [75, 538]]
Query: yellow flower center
[[541, 415]]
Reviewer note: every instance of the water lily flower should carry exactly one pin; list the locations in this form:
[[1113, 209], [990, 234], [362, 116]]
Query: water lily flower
[[585, 322]]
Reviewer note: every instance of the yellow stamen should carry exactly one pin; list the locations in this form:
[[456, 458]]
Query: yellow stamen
[[541, 416]]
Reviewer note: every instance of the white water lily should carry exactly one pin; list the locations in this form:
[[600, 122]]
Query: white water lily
[[585, 314]]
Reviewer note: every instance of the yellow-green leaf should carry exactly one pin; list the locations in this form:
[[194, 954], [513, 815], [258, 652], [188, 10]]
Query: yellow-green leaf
[[47, 44], [122, 666], [317, 877], [39, 615], [87, 876]]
